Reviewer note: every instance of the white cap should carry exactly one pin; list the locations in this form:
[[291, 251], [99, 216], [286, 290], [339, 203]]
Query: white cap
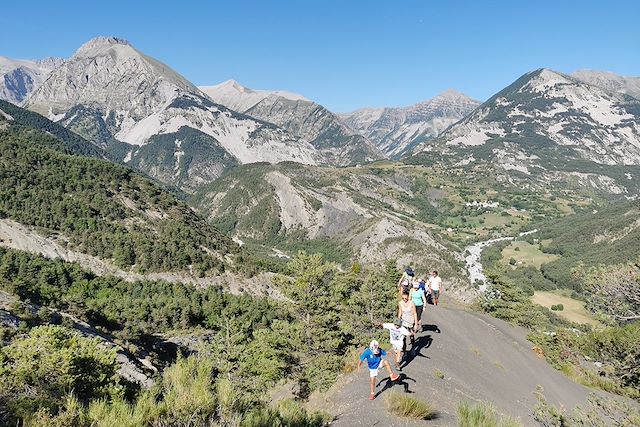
[[374, 345]]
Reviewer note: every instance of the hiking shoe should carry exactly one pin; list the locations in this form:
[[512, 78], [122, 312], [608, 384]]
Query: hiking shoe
[[394, 377], [372, 396]]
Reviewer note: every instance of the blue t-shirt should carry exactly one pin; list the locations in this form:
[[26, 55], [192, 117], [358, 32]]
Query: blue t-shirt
[[373, 360]]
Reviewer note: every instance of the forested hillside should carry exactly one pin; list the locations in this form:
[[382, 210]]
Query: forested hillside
[[101, 208], [24, 119]]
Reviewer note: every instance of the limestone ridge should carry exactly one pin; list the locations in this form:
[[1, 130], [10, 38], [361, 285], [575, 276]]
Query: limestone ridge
[[546, 127], [303, 118], [610, 81], [19, 78], [233, 95], [595, 124], [396, 130], [123, 100]]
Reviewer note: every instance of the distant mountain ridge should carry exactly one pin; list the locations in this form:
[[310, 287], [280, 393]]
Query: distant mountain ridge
[[610, 81], [396, 130], [233, 95], [303, 118], [133, 105], [123, 100], [20, 77], [548, 127]]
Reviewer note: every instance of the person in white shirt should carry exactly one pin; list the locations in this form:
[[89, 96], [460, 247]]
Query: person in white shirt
[[435, 285], [397, 332]]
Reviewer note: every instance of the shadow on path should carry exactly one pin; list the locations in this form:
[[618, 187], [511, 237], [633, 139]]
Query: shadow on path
[[400, 381], [431, 328], [420, 343]]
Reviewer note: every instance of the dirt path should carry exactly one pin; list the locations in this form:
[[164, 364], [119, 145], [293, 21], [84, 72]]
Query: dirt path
[[480, 358]]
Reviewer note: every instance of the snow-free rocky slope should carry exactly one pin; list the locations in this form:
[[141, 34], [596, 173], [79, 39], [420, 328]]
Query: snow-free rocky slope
[[545, 129], [396, 130], [134, 105], [305, 119], [610, 81], [20, 77], [367, 211]]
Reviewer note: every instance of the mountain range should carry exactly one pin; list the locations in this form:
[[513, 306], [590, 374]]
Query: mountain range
[[146, 114], [301, 117], [397, 130], [546, 126]]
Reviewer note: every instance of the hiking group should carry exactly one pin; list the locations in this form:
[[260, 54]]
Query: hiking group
[[415, 294]]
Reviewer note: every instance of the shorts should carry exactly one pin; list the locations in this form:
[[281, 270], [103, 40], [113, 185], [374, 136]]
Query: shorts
[[408, 324], [419, 309], [398, 345], [436, 294], [374, 372]]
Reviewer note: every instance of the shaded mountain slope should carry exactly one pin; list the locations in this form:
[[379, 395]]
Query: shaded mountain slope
[[12, 115]]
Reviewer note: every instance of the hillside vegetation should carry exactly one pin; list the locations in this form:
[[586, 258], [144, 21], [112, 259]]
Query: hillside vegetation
[[254, 343], [103, 209]]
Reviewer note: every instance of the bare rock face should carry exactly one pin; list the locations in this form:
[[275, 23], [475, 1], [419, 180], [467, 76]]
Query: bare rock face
[[19, 78], [610, 81], [396, 130], [110, 74], [311, 122], [143, 112]]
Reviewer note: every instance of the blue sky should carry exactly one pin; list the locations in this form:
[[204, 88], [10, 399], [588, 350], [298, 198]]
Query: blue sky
[[344, 54]]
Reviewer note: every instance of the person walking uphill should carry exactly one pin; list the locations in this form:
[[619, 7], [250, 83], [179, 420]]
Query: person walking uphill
[[374, 357], [407, 312], [404, 284], [397, 332], [420, 301], [435, 284]]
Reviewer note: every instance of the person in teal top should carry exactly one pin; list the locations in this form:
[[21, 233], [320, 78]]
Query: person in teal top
[[419, 300]]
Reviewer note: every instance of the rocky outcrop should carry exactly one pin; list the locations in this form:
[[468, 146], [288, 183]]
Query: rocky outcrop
[[396, 130]]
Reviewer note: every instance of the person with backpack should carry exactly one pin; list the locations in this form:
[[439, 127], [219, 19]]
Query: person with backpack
[[404, 284], [397, 332], [374, 357], [419, 300]]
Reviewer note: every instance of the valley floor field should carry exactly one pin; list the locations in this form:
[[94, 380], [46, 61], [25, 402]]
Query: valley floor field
[[573, 311], [464, 356]]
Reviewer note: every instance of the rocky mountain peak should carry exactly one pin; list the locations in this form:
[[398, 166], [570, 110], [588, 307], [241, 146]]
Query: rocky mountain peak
[[98, 44], [50, 62], [451, 95]]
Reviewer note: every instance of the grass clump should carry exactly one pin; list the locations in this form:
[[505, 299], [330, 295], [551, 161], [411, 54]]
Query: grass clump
[[407, 406], [483, 415], [438, 373]]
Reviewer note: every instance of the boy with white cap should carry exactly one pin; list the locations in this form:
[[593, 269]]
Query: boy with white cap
[[374, 357]]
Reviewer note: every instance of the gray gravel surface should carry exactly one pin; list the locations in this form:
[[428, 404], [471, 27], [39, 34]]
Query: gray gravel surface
[[481, 359]]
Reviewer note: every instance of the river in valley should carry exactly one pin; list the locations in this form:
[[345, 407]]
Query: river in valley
[[474, 264]]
